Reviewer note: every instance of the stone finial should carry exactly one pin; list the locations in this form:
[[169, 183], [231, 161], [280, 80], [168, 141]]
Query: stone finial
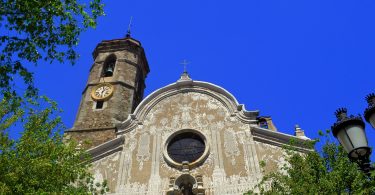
[[298, 132], [370, 98], [341, 114], [370, 110], [184, 77]]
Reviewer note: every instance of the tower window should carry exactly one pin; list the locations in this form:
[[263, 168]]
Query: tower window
[[109, 66], [263, 123], [99, 105]]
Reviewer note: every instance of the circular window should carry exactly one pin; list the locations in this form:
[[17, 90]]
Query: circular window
[[186, 146]]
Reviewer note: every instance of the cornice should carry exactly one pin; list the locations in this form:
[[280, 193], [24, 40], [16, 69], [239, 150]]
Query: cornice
[[90, 129], [106, 148], [280, 139]]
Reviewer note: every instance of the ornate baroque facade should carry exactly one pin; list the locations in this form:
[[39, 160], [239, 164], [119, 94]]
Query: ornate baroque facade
[[190, 137]]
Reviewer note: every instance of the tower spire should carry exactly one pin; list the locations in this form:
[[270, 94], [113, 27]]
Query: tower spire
[[128, 32]]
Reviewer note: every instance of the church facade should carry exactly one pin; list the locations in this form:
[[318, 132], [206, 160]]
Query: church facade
[[189, 137]]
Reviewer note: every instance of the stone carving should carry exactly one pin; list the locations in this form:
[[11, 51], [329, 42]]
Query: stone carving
[[195, 170], [127, 161], [187, 110], [135, 188], [233, 185], [231, 145], [246, 154], [98, 177], [272, 156], [107, 169], [143, 153], [228, 137], [138, 166], [155, 186]]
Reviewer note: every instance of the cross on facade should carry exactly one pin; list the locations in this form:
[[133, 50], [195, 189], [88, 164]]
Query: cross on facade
[[185, 62]]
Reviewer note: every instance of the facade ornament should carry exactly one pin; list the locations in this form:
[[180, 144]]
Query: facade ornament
[[231, 146], [143, 153]]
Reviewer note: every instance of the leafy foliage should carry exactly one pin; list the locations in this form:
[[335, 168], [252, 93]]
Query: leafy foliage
[[34, 30], [328, 172], [40, 162]]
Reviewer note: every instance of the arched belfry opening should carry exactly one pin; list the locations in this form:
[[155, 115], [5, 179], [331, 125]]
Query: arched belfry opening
[[109, 66]]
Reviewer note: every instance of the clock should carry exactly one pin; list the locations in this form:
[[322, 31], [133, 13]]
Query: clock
[[102, 91]]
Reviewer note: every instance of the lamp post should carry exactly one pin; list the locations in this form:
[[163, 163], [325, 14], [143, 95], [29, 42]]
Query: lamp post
[[350, 131], [370, 110]]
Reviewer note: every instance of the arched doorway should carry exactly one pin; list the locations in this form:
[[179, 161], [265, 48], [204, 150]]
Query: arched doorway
[[186, 183]]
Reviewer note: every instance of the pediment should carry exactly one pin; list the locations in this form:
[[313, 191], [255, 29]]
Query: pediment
[[196, 105], [188, 95]]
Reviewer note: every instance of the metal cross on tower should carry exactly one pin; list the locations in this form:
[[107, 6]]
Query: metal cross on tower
[[185, 62], [129, 27]]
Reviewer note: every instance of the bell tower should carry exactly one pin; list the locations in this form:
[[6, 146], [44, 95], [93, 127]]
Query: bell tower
[[114, 89]]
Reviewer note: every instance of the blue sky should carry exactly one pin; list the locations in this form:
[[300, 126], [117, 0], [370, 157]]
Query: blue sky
[[297, 61]]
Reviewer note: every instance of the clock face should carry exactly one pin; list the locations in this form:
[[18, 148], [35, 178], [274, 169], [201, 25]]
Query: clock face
[[102, 91]]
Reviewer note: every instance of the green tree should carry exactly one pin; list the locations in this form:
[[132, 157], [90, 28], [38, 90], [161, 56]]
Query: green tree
[[40, 162], [35, 31], [327, 172], [40, 30]]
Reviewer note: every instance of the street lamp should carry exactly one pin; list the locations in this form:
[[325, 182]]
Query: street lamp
[[350, 131], [370, 110]]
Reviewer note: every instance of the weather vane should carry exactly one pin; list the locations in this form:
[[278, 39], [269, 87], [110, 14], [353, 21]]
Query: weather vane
[[185, 62], [129, 27]]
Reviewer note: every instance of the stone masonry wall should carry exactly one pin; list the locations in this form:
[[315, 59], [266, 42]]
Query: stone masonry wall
[[90, 138]]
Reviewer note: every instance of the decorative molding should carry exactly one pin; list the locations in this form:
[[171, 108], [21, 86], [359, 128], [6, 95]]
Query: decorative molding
[[143, 153], [254, 154], [247, 157], [216, 92], [106, 148], [124, 175], [230, 145], [229, 130], [272, 154], [91, 129], [106, 169]]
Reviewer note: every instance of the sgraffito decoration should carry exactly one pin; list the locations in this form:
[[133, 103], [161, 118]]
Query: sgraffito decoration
[[231, 146], [143, 153]]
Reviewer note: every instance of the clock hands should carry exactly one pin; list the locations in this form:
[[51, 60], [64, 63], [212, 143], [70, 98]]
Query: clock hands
[[102, 92]]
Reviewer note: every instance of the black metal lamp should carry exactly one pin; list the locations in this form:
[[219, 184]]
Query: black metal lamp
[[350, 131], [370, 110]]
